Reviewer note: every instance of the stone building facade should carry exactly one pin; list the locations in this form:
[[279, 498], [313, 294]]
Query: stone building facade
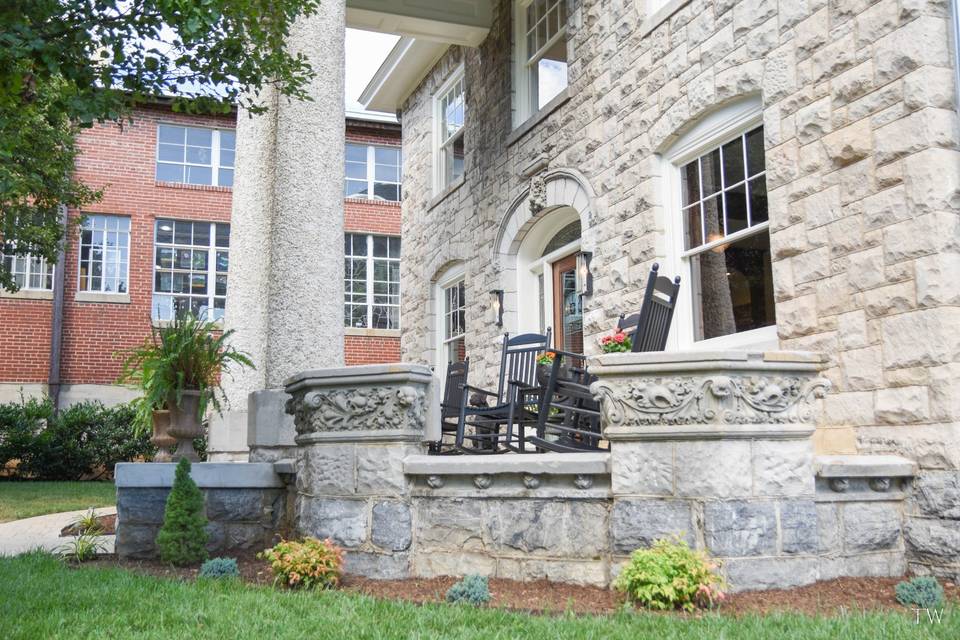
[[856, 101]]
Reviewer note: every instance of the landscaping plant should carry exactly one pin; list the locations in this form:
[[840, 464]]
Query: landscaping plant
[[616, 342], [671, 575], [308, 564], [924, 592], [88, 523], [220, 568], [472, 589], [182, 539], [189, 354], [83, 547]]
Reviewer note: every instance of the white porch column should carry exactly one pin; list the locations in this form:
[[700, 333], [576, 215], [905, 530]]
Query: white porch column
[[285, 289]]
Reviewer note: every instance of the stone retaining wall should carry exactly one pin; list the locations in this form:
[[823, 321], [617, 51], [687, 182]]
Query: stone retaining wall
[[245, 504]]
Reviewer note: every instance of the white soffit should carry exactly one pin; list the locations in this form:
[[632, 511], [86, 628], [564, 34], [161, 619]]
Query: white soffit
[[462, 22], [402, 70]]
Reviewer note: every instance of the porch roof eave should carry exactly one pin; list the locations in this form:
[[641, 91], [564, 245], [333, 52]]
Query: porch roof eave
[[400, 73]]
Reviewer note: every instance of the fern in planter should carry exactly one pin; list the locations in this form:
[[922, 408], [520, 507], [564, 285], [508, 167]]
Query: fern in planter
[[182, 539], [189, 354]]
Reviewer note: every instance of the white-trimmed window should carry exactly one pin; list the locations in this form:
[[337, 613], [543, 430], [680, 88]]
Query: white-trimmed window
[[371, 281], [195, 155], [104, 254], [29, 273], [449, 112], [721, 236], [454, 321], [372, 171], [540, 53], [190, 269]]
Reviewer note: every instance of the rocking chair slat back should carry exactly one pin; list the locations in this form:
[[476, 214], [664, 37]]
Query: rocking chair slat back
[[453, 389], [656, 313], [518, 362]]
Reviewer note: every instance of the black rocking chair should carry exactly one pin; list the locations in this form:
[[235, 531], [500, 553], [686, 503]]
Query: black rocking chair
[[518, 371], [569, 416], [450, 406]]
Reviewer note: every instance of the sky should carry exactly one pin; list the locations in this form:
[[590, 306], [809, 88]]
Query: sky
[[365, 51]]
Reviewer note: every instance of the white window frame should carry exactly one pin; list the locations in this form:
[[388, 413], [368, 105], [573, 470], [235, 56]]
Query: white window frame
[[214, 157], [89, 276], [452, 276], [442, 145], [525, 99], [33, 264], [211, 271], [370, 259], [716, 129], [371, 166]]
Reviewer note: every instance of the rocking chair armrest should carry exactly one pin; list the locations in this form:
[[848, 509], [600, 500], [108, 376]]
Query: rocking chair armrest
[[569, 354], [468, 387]]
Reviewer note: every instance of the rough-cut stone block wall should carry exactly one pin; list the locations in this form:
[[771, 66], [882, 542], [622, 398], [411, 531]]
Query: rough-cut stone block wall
[[862, 170]]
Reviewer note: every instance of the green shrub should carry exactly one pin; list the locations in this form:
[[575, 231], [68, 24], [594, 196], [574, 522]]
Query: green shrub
[[671, 575], [82, 441], [182, 538], [308, 564], [83, 547], [924, 592], [472, 589], [219, 568]]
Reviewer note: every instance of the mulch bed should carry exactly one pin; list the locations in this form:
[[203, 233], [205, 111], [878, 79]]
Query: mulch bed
[[841, 596], [107, 523]]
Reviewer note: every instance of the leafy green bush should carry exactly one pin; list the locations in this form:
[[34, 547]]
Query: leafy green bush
[[472, 589], [924, 592], [82, 441], [671, 575], [219, 568], [182, 538], [308, 564]]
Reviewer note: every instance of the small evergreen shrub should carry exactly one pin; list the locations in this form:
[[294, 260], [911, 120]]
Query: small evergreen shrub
[[472, 589], [671, 575], [182, 539], [308, 564], [923, 592], [219, 568]]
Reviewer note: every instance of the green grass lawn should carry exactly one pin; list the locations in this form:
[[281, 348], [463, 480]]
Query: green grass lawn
[[28, 499], [42, 598]]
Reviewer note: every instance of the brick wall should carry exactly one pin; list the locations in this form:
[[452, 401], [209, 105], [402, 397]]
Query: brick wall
[[121, 161]]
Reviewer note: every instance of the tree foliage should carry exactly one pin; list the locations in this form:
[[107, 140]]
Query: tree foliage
[[66, 64], [182, 538]]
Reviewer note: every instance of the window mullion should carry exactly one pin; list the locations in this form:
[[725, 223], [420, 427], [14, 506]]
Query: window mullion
[[211, 271], [370, 280], [723, 191], [370, 172], [215, 158], [746, 180]]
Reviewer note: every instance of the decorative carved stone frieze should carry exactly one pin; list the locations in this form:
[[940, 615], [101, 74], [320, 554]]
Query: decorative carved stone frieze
[[359, 409], [482, 480], [583, 481], [538, 194]]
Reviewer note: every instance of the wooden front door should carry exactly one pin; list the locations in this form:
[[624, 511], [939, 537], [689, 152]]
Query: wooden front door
[[567, 306]]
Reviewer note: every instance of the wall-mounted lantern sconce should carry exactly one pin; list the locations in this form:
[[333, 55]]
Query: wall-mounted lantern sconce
[[584, 276], [496, 303]]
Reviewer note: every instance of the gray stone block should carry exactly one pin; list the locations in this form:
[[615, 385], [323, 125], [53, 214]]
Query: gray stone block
[[828, 528], [141, 506], [642, 468], [235, 505], [587, 528], [798, 526], [528, 526], [636, 523], [247, 536], [380, 469], [933, 541], [216, 536], [783, 468], [870, 526], [453, 524], [377, 565], [327, 469], [343, 521], [391, 527], [936, 494], [136, 540], [747, 574], [740, 528], [714, 469]]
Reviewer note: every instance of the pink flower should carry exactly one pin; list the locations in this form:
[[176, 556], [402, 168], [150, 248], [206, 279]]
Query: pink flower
[[620, 337], [606, 339]]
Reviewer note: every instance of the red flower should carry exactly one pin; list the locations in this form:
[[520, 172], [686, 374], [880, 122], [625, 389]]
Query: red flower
[[606, 339], [620, 337]]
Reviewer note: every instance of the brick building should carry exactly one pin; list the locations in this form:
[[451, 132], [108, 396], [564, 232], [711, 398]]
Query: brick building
[[159, 241]]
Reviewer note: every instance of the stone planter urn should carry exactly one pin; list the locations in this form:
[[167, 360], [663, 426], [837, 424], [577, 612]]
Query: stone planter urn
[[162, 439], [186, 425]]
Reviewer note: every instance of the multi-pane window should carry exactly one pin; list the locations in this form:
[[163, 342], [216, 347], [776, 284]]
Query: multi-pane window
[[190, 269], [372, 172], [29, 272], [104, 254], [454, 322], [371, 281], [194, 155], [451, 107], [542, 43], [724, 199]]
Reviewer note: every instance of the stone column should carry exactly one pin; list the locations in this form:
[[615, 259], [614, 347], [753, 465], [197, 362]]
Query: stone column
[[355, 426], [716, 447], [285, 293]]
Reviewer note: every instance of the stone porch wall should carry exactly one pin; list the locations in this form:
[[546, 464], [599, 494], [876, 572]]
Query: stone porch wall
[[863, 176]]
